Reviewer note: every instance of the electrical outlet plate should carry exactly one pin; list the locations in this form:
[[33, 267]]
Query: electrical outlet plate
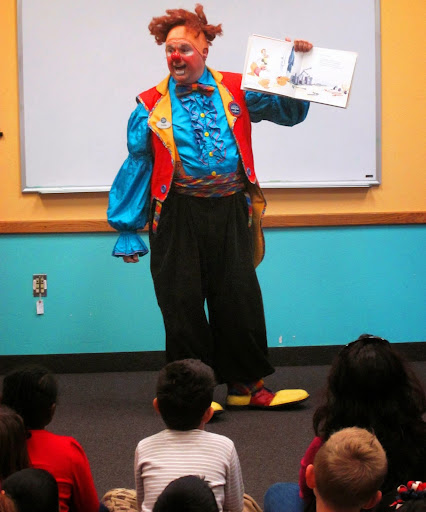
[[39, 285]]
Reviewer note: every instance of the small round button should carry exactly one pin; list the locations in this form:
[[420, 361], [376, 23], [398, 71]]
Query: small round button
[[214, 173], [206, 134], [248, 171], [163, 188], [211, 153], [202, 114]]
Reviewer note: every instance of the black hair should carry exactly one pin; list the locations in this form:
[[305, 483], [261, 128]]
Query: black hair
[[13, 443], [32, 490], [410, 498], [370, 386], [31, 391], [414, 506], [186, 494], [184, 393]]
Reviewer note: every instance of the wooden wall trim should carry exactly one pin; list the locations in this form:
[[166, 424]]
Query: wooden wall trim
[[269, 221]]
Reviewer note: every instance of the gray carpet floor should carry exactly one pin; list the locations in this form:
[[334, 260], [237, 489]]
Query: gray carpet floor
[[109, 413]]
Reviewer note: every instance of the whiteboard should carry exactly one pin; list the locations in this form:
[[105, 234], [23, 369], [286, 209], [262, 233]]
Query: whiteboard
[[82, 63]]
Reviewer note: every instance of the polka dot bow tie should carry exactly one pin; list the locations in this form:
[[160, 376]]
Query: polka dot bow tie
[[183, 90]]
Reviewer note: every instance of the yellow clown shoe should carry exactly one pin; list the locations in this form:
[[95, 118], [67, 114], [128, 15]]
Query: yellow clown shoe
[[217, 408], [266, 399]]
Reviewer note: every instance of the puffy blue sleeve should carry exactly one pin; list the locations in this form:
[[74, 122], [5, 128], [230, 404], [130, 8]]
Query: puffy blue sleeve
[[277, 109], [129, 198]]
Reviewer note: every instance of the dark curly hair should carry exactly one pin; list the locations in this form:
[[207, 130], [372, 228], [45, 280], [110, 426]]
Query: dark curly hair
[[161, 26], [370, 386]]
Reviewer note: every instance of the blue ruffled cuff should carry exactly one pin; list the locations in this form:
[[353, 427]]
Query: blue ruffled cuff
[[129, 243]]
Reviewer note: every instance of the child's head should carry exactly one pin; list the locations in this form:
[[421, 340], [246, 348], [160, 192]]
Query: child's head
[[13, 443], [369, 385], [348, 470], [32, 490], [359, 360], [184, 393], [31, 391], [186, 494]]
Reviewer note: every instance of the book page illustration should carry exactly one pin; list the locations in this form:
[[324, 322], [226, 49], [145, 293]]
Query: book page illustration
[[325, 76], [269, 64], [321, 75]]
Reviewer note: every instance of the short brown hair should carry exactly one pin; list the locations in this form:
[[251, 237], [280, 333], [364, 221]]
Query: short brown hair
[[161, 26], [350, 468]]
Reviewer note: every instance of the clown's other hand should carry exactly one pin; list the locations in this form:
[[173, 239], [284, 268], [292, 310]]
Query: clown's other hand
[[134, 258], [300, 45]]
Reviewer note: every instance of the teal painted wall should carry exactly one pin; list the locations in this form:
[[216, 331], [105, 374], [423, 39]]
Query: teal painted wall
[[321, 286]]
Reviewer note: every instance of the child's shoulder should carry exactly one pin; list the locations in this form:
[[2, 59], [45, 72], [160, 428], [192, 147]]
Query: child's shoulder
[[187, 436], [216, 441], [218, 437], [50, 438], [55, 443], [158, 437]]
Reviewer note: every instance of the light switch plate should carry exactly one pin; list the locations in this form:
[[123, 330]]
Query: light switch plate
[[39, 285]]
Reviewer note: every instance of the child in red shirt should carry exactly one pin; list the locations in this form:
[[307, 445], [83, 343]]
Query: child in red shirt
[[32, 393]]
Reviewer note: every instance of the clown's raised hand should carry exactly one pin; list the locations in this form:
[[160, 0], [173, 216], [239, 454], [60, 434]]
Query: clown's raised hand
[[300, 45]]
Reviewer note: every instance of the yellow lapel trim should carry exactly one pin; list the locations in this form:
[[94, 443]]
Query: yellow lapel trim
[[163, 109], [163, 86]]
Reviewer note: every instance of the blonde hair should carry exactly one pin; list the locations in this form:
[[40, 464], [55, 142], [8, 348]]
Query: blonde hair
[[350, 468]]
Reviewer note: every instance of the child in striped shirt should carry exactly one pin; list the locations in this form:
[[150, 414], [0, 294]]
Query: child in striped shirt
[[184, 396]]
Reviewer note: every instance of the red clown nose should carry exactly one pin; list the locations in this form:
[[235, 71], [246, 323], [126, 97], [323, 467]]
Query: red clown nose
[[175, 56]]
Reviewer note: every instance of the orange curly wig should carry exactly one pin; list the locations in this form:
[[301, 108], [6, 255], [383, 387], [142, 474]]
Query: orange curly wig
[[161, 26]]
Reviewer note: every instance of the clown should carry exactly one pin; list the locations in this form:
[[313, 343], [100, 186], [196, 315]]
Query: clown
[[190, 174]]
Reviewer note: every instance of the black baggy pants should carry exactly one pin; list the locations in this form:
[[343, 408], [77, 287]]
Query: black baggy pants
[[202, 254]]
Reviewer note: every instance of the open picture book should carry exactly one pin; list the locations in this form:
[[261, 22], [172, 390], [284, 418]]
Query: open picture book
[[320, 75]]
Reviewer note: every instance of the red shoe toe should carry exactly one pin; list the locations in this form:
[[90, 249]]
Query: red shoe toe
[[262, 398]]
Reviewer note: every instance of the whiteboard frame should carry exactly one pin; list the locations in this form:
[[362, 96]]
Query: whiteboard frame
[[264, 184]]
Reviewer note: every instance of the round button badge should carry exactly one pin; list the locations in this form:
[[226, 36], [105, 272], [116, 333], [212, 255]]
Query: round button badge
[[234, 108]]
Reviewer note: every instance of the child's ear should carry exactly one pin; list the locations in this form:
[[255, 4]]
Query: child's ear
[[155, 404], [310, 477], [208, 415], [372, 502]]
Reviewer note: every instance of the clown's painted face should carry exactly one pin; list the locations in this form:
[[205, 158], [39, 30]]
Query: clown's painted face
[[185, 63]]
